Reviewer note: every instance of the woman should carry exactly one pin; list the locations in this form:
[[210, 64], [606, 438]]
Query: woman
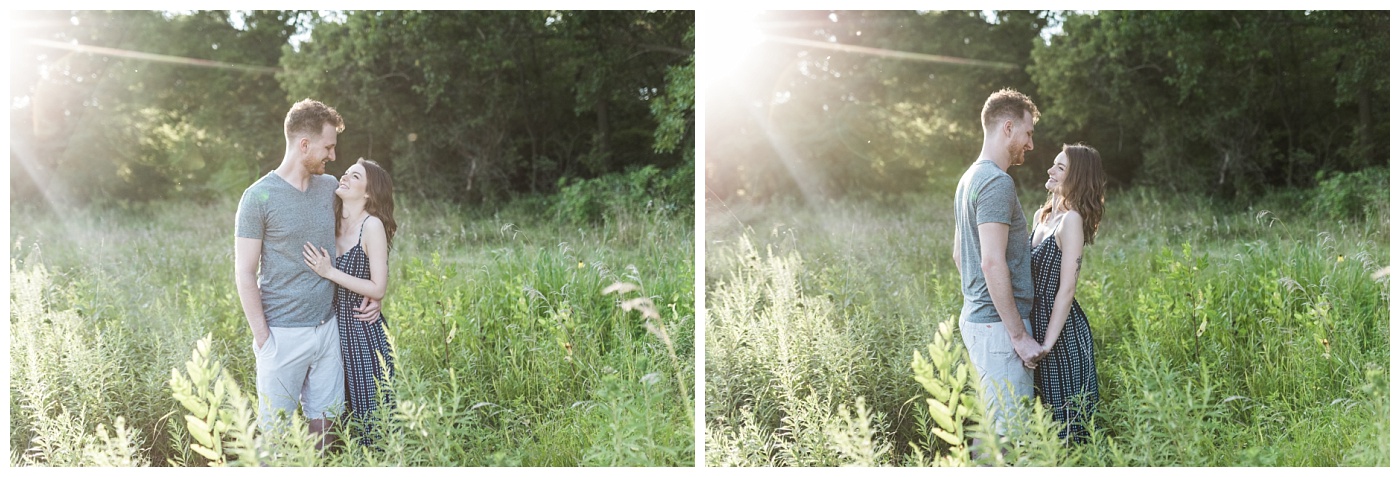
[[1065, 379], [364, 233]]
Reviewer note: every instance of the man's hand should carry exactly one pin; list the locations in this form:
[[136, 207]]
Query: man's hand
[[246, 255], [368, 311], [1028, 349]]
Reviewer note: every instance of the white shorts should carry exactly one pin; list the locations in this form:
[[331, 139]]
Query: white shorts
[[300, 366], [1007, 384]]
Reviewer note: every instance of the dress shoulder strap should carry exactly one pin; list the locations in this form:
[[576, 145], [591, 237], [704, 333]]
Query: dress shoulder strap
[[361, 238]]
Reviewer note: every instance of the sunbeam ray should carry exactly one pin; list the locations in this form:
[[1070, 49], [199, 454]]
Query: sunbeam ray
[[139, 55], [900, 55]]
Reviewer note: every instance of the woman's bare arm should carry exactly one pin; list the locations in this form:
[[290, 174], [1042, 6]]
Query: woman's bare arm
[[1070, 238], [376, 247]]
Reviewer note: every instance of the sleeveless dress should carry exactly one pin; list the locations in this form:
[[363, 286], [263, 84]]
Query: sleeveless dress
[[1066, 380], [362, 346]]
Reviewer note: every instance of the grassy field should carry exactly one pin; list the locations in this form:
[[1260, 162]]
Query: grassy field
[[128, 345], [1225, 335]]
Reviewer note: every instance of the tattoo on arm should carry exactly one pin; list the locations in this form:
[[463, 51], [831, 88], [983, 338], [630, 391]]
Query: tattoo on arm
[[1077, 263]]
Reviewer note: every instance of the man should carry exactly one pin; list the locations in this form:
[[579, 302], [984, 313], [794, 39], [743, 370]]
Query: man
[[992, 252], [288, 306]]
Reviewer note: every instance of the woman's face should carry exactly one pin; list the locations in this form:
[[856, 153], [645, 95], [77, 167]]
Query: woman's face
[[353, 183], [1057, 172]]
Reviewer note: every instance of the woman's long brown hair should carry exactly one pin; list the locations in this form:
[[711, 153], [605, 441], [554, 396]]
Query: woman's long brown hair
[[1083, 188], [380, 202]]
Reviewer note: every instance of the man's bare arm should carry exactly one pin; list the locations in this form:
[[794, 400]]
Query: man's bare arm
[[247, 253], [957, 250], [993, 237]]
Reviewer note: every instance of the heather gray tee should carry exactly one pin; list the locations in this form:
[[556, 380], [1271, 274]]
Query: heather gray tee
[[285, 218], [986, 194]]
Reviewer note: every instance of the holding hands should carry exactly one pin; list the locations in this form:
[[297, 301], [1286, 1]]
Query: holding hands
[[1029, 350]]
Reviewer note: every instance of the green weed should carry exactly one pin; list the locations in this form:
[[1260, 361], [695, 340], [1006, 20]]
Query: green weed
[[507, 351], [1226, 334]]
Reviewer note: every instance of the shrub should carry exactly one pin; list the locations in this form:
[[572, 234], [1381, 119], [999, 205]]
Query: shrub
[[1364, 194], [585, 201]]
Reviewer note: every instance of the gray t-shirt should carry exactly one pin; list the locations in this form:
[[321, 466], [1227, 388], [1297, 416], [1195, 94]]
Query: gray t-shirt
[[987, 194], [285, 218]]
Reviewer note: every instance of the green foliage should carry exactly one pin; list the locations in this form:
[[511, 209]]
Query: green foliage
[[739, 442], [490, 106], [493, 105], [1230, 103], [813, 122], [59, 378], [857, 438], [508, 352], [1226, 334], [1372, 446], [208, 421], [93, 126], [1222, 102], [675, 109], [121, 448], [781, 364], [1363, 194], [222, 420], [623, 430], [947, 377], [592, 201]]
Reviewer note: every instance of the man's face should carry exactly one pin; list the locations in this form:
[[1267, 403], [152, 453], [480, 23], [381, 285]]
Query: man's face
[[1022, 139], [320, 150]]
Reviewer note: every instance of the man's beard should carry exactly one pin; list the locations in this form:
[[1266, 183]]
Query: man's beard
[[1018, 156], [316, 167]]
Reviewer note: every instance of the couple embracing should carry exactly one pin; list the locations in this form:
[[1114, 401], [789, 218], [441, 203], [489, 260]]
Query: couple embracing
[[318, 336], [1025, 333]]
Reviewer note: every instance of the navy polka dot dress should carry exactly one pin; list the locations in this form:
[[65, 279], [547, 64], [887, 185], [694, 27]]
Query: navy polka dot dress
[[1066, 380], [362, 346]]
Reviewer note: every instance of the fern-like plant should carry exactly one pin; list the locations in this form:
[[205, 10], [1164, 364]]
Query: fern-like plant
[[223, 423], [954, 402]]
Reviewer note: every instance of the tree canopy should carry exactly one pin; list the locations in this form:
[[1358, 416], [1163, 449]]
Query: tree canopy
[[1222, 101], [838, 102], [467, 106], [137, 105], [805, 114]]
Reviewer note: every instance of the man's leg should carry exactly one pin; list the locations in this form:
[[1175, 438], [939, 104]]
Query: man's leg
[[323, 397], [323, 428], [1005, 382], [1019, 382], [277, 393]]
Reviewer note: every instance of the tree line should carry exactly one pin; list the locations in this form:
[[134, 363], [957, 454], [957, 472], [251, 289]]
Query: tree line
[[1224, 103], [473, 107]]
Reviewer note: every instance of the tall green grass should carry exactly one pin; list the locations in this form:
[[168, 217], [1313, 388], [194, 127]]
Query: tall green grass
[[126, 329], [1225, 334]]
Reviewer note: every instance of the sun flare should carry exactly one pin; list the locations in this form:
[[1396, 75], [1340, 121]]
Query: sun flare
[[727, 38]]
